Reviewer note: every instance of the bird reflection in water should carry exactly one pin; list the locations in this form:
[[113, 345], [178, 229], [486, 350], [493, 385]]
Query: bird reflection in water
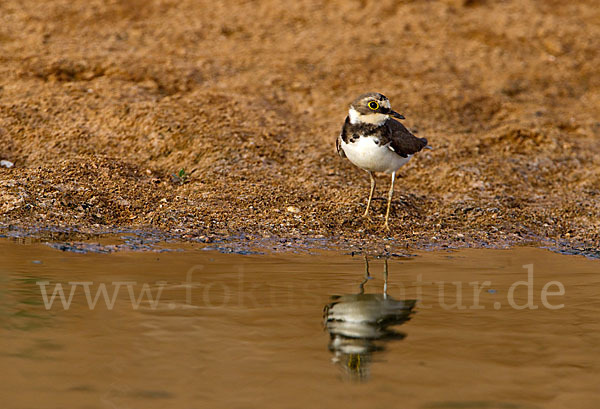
[[359, 325]]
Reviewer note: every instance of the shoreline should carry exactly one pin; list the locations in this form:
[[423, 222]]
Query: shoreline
[[109, 240]]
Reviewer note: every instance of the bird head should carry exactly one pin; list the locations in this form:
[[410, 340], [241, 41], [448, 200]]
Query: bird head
[[372, 108]]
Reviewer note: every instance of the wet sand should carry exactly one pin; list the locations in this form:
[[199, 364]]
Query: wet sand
[[102, 103], [252, 333]]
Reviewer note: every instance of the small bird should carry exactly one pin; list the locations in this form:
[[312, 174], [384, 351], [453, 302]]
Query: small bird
[[360, 325], [375, 142]]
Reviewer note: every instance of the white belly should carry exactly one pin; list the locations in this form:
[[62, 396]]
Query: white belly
[[366, 154]]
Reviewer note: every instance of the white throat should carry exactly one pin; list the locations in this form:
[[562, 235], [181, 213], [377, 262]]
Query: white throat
[[374, 119]]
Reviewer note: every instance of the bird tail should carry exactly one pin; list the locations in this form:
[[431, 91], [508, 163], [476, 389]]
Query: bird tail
[[427, 146]]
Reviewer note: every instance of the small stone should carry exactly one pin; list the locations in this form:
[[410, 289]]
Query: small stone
[[6, 164], [292, 209]]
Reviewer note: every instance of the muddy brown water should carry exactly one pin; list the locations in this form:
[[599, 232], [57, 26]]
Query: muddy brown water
[[298, 330]]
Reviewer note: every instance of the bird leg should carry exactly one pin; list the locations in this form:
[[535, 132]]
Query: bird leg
[[390, 194], [371, 194], [385, 278], [361, 286]]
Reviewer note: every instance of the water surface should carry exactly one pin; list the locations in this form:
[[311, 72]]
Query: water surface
[[298, 331]]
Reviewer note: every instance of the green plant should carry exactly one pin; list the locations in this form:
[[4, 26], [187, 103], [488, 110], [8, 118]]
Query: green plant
[[181, 177]]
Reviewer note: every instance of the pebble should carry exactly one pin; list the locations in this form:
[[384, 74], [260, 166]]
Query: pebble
[[6, 164], [292, 209]]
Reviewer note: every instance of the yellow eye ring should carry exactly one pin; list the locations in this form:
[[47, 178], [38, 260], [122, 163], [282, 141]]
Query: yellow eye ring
[[373, 105]]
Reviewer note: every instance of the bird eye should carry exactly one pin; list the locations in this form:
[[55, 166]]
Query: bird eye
[[373, 105]]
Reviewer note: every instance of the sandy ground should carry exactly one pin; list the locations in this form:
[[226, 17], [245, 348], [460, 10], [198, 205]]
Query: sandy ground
[[102, 101]]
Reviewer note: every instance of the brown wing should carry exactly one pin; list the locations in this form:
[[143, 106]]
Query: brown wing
[[403, 142]]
